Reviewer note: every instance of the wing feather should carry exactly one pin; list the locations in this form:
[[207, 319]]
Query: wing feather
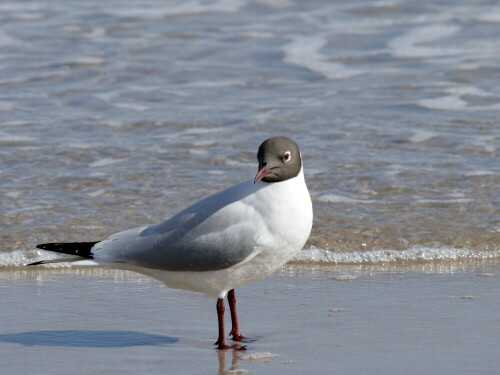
[[213, 234]]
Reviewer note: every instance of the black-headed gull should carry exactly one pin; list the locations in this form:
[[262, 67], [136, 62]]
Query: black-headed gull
[[222, 242]]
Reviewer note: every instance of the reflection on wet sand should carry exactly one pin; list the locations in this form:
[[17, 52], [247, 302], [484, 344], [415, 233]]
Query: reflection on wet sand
[[224, 366], [342, 272]]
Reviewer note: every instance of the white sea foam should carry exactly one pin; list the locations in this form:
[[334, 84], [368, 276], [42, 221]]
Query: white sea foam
[[453, 100], [482, 172], [236, 163], [486, 142], [18, 6], [275, 3], [27, 16], [417, 254], [217, 172], [20, 258], [105, 162], [445, 201], [106, 96], [456, 194], [182, 8], [79, 145], [258, 35], [36, 207], [96, 33], [313, 171], [114, 124], [13, 194], [467, 90], [87, 61], [422, 136], [408, 45], [303, 51], [264, 356], [492, 16], [346, 277], [15, 123], [448, 102], [201, 130], [131, 106], [335, 198], [454, 103], [23, 257], [203, 143], [96, 193], [12, 138], [197, 151], [220, 83]]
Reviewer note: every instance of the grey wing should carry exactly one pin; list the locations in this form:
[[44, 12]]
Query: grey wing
[[189, 241]]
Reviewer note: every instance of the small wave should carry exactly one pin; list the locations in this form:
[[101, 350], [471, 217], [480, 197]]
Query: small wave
[[448, 102], [181, 9], [33, 16], [86, 61], [21, 258], [96, 193], [131, 106], [15, 123], [28, 209], [409, 45], [422, 136], [104, 162], [106, 96], [468, 90], [215, 83], [492, 16], [455, 98], [480, 173], [11, 138], [418, 254], [335, 198], [304, 52], [236, 163], [205, 130], [13, 194], [443, 201]]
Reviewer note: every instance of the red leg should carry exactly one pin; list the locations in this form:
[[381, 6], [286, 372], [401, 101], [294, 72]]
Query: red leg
[[221, 341], [235, 331]]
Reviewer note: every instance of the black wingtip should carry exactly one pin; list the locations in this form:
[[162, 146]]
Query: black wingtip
[[36, 263], [46, 246], [81, 249]]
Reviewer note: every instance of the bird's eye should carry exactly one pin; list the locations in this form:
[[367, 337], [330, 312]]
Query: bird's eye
[[287, 156]]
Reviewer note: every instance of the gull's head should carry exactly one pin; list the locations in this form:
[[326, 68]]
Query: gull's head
[[279, 160]]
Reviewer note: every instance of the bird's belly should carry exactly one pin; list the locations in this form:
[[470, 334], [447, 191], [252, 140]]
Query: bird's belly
[[218, 283]]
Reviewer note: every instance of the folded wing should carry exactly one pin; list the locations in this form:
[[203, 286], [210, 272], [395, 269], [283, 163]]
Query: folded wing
[[213, 234]]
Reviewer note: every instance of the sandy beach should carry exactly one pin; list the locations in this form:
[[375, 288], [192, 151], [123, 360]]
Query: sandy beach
[[420, 319]]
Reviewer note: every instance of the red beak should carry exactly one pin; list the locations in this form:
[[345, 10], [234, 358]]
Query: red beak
[[263, 172]]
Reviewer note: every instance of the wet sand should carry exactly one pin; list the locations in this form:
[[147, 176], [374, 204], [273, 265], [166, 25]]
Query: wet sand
[[439, 319]]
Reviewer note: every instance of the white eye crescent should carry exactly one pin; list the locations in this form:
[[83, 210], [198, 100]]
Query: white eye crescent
[[287, 156]]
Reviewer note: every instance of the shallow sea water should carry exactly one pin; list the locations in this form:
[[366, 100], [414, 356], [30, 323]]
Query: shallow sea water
[[118, 114], [313, 320], [114, 115]]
